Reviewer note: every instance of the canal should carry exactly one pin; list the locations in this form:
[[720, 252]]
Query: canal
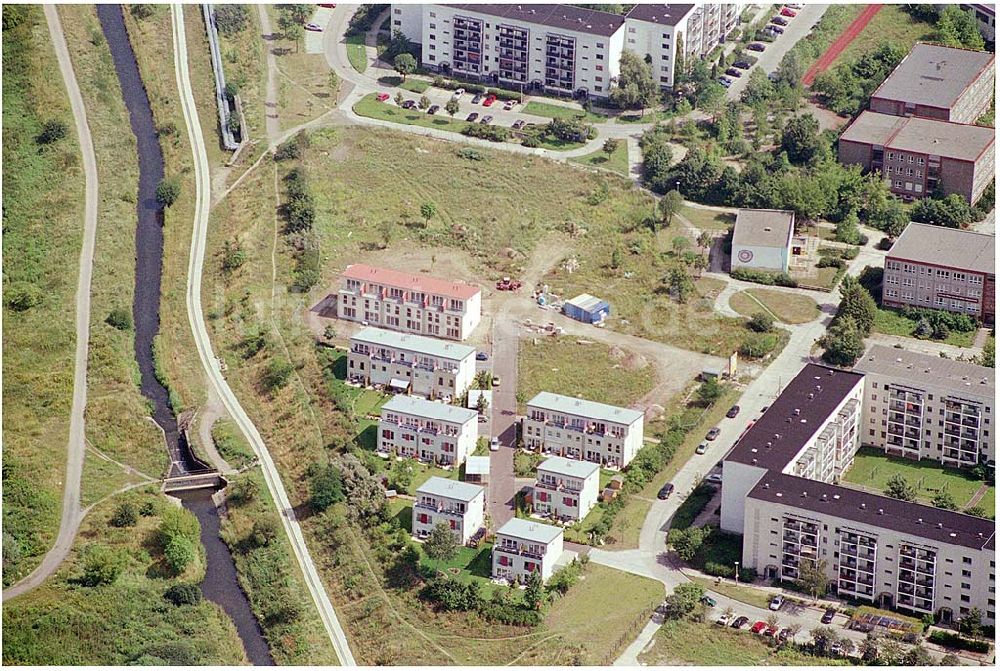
[[220, 584]]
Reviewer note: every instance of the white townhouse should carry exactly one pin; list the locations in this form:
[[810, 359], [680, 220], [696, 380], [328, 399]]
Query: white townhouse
[[565, 489], [460, 505], [401, 301], [430, 431], [579, 429], [523, 547], [411, 364]]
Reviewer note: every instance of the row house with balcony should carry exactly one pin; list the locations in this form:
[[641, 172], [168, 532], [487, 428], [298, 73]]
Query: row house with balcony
[[924, 407], [584, 430], [430, 431], [523, 547], [565, 489], [459, 505], [410, 364], [409, 303]]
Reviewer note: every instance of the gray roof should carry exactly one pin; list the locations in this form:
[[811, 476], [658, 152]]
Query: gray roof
[[764, 228], [588, 302], [920, 136], [573, 468], [444, 412], [924, 370], [914, 519], [477, 466], [414, 343], [952, 247], [452, 489], [546, 400], [535, 532], [933, 75], [664, 15], [563, 17]]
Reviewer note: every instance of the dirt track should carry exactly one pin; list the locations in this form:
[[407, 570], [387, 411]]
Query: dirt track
[[841, 43]]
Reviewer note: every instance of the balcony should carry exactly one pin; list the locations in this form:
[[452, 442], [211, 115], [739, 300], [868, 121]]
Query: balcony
[[557, 487], [521, 550], [441, 510]]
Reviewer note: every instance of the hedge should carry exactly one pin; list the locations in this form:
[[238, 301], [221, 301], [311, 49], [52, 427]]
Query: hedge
[[951, 640], [763, 277]]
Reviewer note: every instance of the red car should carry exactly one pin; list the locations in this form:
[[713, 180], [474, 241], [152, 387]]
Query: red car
[[758, 627], [785, 11], [490, 99], [382, 97], [328, 5]]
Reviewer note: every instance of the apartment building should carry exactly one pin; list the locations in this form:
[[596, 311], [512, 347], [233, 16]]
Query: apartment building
[[410, 364], [433, 432], [917, 156], [942, 269], [460, 505], [579, 429], [565, 489], [938, 82], [523, 547], [410, 303], [925, 407]]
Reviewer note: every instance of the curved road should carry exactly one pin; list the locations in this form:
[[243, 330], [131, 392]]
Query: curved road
[[208, 360], [72, 514]]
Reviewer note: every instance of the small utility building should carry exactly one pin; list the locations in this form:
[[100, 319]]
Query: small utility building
[[762, 240], [586, 308]]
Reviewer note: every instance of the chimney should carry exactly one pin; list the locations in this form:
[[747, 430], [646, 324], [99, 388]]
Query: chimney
[[881, 511], [920, 520], [863, 506]]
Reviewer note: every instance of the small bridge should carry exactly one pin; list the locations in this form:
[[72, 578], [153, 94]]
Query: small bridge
[[207, 480]]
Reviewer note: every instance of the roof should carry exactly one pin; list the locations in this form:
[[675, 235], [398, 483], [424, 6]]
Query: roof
[[563, 17], [410, 282], [453, 489], [588, 302], [764, 228], [794, 417], [918, 520], [924, 370], [952, 247], [577, 406], [414, 343], [477, 466], [413, 405], [959, 141], [664, 15], [934, 75], [530, 531], [573, 468]]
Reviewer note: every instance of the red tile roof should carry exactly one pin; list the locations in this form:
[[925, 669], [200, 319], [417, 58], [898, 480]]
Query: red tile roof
[[410, 282]]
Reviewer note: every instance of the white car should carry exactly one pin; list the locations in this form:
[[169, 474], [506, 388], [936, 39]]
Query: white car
[[724, 620], [494, 444], [714, 478], [776, 602], [458, 93]]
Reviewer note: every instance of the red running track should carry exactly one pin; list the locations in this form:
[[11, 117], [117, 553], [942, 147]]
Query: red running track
[[841, 43]]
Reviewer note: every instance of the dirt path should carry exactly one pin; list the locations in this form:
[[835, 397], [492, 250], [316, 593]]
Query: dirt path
[[271, 121], [841, 43], [213, 410], [978, 496]]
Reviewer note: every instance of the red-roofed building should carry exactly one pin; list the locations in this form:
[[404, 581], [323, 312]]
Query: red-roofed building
[[410, 303]]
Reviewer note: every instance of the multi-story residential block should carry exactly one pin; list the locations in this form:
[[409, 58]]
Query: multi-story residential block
[[430, 431], [565, 489], [460, 505], [938, 82], [578, 429], [925, 407], [410, 363], [410, 303], [762, 240], [917, 156], [942, 269], [523, 547]]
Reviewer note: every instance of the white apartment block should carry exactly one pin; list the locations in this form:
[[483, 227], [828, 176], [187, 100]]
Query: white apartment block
[[565, 489], [579, 429], [410, 363], [523, 547], [430, 431], [925, 407], [410, 303], [460, 505]]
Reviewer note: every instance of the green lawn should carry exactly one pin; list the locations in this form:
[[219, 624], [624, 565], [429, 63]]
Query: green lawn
[[708, 220], [356, 52], [783, 306], [741, 593], [617, 162], [370, 107], [891, 322], [872, 469], [560, 112], [412, 85], [891, 24]]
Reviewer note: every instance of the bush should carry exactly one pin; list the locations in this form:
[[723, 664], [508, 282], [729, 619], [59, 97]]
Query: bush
[[233, 256], [142, 12], [757, 345], [167, 192], [763, 277], [325, 488], [125, 515], [179, 553], [831, 262], [243, 490], [52, 131], [264, 532], [471, 154], [23, 296], [486, 132], [531, 142], [276, 374], [120, 318], [950, 640], [761, 322], [184, 594], [231, 19], [101, 565]]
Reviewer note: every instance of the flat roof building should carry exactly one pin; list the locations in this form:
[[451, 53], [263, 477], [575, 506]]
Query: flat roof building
[[460, 505], [436, 433], [523, 547], [587, 309], [762, 239], [565, 489]]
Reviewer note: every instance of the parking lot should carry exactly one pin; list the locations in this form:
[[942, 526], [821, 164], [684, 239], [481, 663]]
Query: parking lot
[[440, 97]]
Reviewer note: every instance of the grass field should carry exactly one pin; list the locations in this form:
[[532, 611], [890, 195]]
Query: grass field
[[245, 66], [890, 322], [891, 24], [747, 595], [708, 220], [411, 85], [618, 161], [872, 469], [784, 306], [591, 370], [356, 52], [370, 107], [561, 112]]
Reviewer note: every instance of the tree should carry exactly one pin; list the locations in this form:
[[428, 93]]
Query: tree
[[680, 284], [401, 475], [126, 515], [334, 83], [424, 102], [917, 656], [616, 258], [231, 19], [482, 405], [847, 230], [386, 229], [294, 32], [427, 211], [404, 64], [857, 303], [179, 553], [988, 356], [361, 488], [957, 28], [944, 500], [243, 489], [441, 544], [709, 392], [168, 191], [669, 205], [52, 131], [812, 577], [399, 99], [610, 146], [800, 138], [636, 87], [264, 531], [950, 212], [684, 599], [276, 374], [843, 343], [898, 487], [679, 244], [451, 107], [183, 594], [533, 590], [326, 487], [761, 322], [972, 623], [686, 542], [101, 565], [120, 318], [142, 12], [822, 639]]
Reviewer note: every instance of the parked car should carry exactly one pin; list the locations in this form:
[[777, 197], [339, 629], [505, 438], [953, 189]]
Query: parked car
[[665, 491], [713, 433], [836, 649], [472, 116], [756, 46], [758, 627], [793, 5], [775, 30], [708, 601], [496, 381], [314, 27], [382, 97], [488, 119], [784, 634], [726, 81], [458, 93], [777, 602], [433, 109], [714, 478], [329, 5], [828, 615], [409, 104], [789, 12], [733, 411], [476, 99], [494, 444], [733, 72], [724, 620], [518, 125], [490, 99], [702, 448], [764, 409], [509, 105], [779, 20], [742, 65], [740, 622], [482, 356], [771, 632]]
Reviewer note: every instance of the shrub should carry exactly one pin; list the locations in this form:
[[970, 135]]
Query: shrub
[[23, 296], [761, 322], [179, 553], [177, 522], [120, 318], [233, 256], [486, 132], [125, 515], [183, 594], [101, 565], [326, 488], [264, 532], [763, 277], [243, 490], [831, 262], [141, 12], [470, 154], [531, 141], [756, 345], [148, 508], [167, 192], [276, 374], [288, 150], [231, 19], [951, 640], [52, 131]]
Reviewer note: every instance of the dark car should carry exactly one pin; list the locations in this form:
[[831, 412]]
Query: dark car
[[742, 65], [726, 81], [780, 20], [665, 491], [733, 72], [518, 125], [740, 622], [708, 601], [713, 433], [433, 109], [477, 99], [481, 356], [472, 116], [784, 634], [408, 104], [733, 411], [828, 615], [775, 30], [756, 46]]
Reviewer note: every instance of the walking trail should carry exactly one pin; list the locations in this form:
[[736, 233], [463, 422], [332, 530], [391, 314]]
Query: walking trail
[[841, 43]]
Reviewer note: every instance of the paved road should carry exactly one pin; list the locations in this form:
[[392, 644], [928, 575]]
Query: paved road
[[72, 514], [504, 411], [208, 360]]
